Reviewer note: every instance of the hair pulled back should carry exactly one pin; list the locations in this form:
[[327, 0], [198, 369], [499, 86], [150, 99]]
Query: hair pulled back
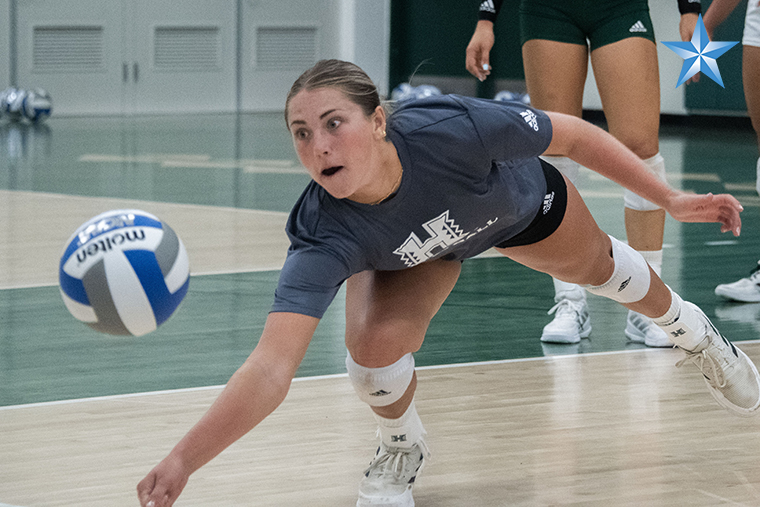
[[345, 76]]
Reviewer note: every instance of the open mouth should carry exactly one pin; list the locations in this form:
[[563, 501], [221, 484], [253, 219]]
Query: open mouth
[[331, 170]]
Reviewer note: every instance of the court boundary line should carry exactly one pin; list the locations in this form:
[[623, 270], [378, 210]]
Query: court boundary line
[[144, 201], [343, 375]]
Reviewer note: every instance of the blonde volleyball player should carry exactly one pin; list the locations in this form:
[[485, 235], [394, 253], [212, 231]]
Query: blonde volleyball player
[[745, 290], [397, 202], [557, 38]]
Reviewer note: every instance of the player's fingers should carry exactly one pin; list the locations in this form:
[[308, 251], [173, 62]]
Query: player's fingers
[[144, 489], [728, 216], [485, 66], [160, 500], [473, 64]]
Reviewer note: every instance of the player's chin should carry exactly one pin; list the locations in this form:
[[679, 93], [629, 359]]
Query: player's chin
[[335, 184], [334, 189]]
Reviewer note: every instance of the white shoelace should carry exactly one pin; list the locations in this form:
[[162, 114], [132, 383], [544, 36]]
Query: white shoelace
[[710, 368], [393, 461], [567, 307]]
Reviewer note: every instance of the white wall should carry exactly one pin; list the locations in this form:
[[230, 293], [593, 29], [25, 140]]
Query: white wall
[[665, 17], [4, 45], [371, 39]]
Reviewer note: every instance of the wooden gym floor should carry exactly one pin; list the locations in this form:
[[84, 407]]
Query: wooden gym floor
[[511, 421]]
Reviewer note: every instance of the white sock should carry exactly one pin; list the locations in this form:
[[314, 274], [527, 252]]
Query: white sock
[[564, 290], [403, 432], [682, 323]]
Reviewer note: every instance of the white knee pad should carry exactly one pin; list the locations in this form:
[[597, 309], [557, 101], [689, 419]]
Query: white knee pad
[[380, 387], [633, 201], [630, 279], [568, 167]]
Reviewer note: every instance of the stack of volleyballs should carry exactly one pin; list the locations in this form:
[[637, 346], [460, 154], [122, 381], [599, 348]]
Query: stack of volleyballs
[[124, 272], [33, 105]]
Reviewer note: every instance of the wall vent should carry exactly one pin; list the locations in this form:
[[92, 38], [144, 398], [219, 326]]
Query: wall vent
[[187, 48], [67, 49]]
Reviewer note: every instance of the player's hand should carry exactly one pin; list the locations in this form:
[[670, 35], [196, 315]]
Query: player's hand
[[721, 208], [162, 486], [479, 49], [686, 28]]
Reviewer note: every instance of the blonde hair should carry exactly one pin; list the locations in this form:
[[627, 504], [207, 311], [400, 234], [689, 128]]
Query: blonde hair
[[346, 76]]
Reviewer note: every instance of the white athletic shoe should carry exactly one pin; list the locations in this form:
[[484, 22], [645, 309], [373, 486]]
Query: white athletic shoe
[[729, 374], [746, 290], [571, 322], [390, 477], [640, 329]]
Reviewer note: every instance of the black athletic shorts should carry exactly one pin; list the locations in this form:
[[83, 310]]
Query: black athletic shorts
[[549, 215], [585, 22]]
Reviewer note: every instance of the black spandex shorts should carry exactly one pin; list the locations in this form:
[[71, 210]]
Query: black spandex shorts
[[585, 22], [549, 215]]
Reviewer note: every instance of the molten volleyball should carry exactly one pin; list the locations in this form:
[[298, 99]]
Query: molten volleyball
[[124, 272]]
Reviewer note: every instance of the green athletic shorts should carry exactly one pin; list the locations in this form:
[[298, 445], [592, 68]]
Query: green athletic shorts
[[594, 22]]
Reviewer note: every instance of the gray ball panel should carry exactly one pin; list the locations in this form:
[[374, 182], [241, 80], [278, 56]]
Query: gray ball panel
[[167, 250], [96, 287]]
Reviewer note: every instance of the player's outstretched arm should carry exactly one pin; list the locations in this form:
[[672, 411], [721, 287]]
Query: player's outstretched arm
[[596, 149], [253, 392]]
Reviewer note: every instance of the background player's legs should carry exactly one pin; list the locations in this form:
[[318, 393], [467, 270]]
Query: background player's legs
[[612, 269], [627, 77], [747, 290], [555, 73], [751, 77], [387, 316]]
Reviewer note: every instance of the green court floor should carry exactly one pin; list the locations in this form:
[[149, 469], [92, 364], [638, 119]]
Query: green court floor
[[496, 312]]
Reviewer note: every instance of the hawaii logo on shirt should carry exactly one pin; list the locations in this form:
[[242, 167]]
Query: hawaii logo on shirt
[[444, 233]]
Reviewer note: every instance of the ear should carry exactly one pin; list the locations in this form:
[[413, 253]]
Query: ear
[[379, 120]]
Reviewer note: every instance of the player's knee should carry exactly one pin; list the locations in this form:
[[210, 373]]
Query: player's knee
[[380, 387], [568, 167], [630, 279], [640, 142]]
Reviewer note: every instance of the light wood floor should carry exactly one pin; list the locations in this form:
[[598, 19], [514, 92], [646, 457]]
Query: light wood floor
[[34, 228], [607, 430]]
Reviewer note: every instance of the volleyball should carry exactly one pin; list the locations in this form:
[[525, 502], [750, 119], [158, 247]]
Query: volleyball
[[124, 272], [37, 105], [13, 101]]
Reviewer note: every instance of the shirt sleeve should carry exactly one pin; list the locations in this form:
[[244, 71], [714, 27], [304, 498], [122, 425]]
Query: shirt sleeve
[[689, 6], [489, 10], [309, 281], [510, 130]]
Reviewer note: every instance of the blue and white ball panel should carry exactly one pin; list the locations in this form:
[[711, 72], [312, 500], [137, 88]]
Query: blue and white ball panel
[[124, 272], [37, 105]]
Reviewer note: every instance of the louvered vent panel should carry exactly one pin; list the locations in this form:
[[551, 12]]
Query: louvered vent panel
[[67, 49], [286, 48], [187, 49]]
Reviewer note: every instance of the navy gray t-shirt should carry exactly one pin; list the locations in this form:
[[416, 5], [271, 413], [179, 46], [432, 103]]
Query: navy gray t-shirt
[[471, 180]]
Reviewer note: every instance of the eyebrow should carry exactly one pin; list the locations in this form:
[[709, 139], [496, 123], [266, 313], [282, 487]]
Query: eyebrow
[[321, 116], [326, 113]]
